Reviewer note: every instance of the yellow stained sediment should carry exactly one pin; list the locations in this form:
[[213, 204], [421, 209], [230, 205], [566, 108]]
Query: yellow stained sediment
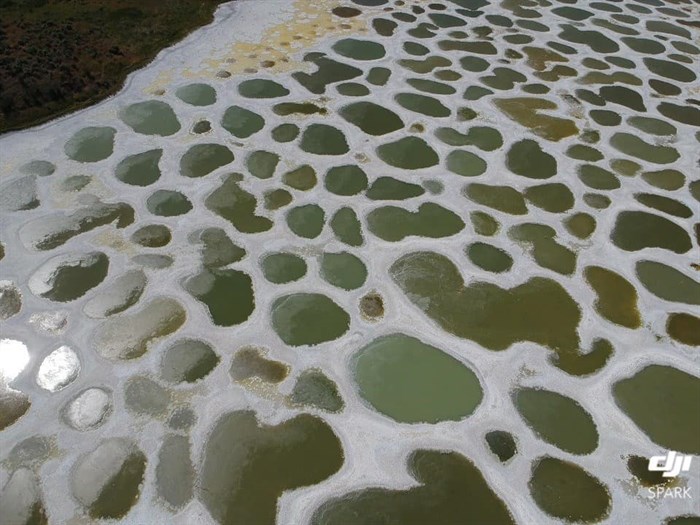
[[273, 49]]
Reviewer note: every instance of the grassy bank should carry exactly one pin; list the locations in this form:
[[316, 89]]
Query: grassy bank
[[57, 56]]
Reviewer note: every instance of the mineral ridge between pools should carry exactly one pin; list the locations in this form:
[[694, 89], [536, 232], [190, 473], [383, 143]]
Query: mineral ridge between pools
[[319, 262]]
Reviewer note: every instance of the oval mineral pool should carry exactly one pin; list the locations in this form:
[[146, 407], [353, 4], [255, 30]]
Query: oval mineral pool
[[658, 400], [344, 270], [566, 491], [282, 268], [413, 382], [557, 419], [151, 117], [197, 94], [308, 319]]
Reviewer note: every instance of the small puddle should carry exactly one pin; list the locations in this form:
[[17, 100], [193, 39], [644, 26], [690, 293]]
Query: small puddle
[[502, 444]]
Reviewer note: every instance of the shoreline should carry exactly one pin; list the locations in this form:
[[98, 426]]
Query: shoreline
[[121, 78]]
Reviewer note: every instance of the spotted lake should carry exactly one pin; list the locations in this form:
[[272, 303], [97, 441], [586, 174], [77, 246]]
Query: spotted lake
[[363, 262]]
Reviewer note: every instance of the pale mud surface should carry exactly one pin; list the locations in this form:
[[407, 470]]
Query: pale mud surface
[[102, 395]]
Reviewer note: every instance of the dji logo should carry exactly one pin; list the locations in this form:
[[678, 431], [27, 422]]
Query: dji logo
[[671, 464]]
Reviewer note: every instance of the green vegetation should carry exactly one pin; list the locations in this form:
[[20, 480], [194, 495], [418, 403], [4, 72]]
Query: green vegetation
[[59, 56]]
